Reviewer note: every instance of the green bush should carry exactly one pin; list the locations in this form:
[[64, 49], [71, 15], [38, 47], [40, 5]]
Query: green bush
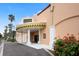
[[67, 47]]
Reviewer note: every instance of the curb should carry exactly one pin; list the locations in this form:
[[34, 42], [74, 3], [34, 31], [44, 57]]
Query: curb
[[48, 52]]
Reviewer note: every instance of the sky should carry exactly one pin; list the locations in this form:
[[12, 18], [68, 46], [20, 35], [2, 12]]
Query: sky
[[19, 10]]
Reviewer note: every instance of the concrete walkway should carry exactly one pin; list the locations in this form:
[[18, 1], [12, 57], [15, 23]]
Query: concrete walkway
[[16, 49], [38, 46]]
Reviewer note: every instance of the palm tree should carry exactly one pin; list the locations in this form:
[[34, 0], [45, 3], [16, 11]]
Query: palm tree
[[11, 17]]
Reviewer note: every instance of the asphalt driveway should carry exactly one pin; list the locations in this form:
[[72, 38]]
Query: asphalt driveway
[[16, 49]]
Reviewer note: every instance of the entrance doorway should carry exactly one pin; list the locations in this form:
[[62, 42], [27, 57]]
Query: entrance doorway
[[36, 38]]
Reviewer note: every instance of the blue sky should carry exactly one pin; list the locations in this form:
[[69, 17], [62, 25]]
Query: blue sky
[[19, 10]]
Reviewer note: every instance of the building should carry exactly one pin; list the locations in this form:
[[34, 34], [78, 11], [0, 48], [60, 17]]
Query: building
[[36, 29], [56, 20]]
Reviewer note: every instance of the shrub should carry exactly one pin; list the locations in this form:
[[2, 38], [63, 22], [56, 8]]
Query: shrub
[[68, 46]]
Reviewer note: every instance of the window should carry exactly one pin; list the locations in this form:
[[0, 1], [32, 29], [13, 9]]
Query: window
[[44, 35], [27, 20]]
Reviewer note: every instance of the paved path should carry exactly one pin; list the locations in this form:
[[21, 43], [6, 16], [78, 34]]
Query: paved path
[[16, 49]]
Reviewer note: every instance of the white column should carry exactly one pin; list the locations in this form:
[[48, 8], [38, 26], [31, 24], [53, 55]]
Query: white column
[[17, 36], [26, 37], [39, 36], [28, 42], [21, 37], [18, 39]]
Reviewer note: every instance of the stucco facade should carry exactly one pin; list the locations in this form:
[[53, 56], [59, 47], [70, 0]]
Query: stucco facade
[[61, 18], [43, 17], [66, 18]]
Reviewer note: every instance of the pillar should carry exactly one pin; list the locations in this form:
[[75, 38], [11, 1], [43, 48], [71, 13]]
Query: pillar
[[39, 36], [21, 37], [28, 42], [26, 37]]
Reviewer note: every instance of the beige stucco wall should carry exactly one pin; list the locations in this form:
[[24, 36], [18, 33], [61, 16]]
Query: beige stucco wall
[[70, 26], [45, 16], [69, 14], [21, 37]]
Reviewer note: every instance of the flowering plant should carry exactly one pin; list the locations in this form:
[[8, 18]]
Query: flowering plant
[[67, 46]]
